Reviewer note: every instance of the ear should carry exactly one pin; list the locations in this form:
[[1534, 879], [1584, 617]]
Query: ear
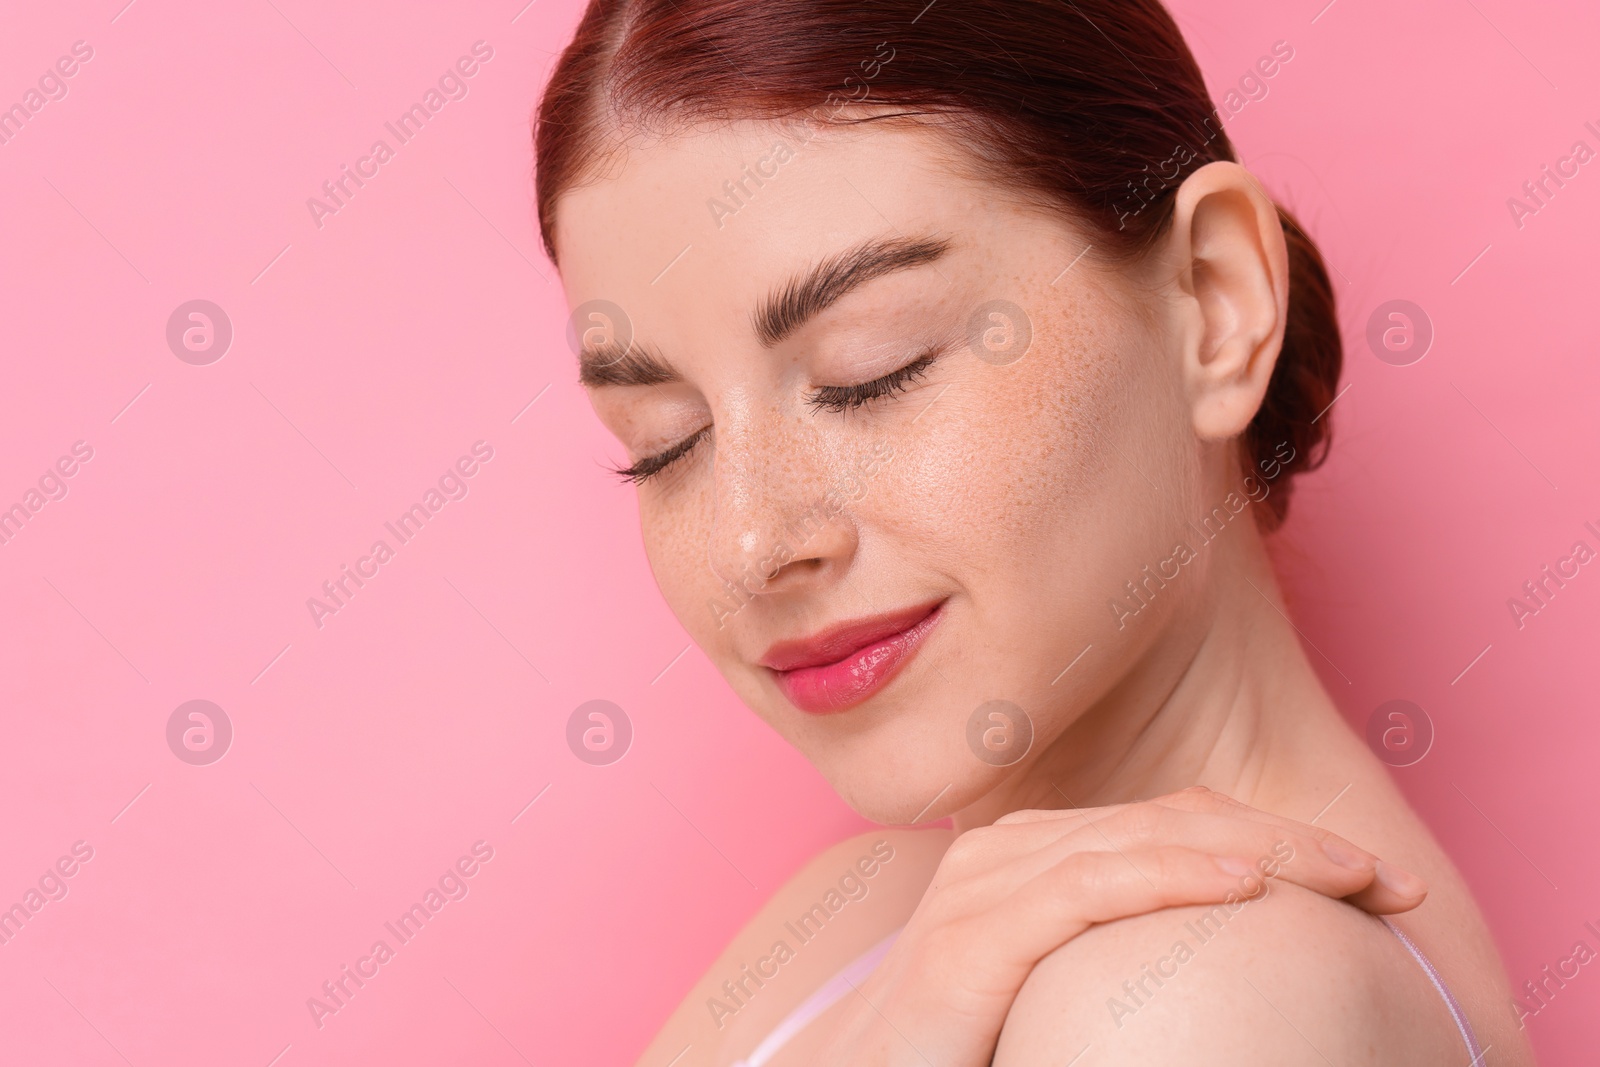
[[1233, 266]]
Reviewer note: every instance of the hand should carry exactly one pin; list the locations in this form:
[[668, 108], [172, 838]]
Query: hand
[[1007, 895]]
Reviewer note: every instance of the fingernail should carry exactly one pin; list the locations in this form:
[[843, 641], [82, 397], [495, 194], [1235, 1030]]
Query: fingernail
[[1234, 866], [1346, 857], [1400, 881]]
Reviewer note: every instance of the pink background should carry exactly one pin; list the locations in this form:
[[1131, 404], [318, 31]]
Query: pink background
[[370, 353]]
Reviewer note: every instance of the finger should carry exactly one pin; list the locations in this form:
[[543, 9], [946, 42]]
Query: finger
[[1093, 887], [1036, 815], [1193, 798], [1282, 848], [1200, 798], [982, 960], [1397, 888], [1393, 890], [1002, 858]]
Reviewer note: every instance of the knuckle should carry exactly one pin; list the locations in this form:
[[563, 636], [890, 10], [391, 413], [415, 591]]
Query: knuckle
[[1190, 797], [1144, 820], [939, 906], [1299, 843], [1227, 803], [943, 944], [1023, 815], [1154, 870], [968, 850], [1201, 798], [933, 941], [1085, 871], [1168, 868]]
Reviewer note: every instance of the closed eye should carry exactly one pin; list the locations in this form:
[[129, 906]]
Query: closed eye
[[847, 397], [650, 466], [825, 398]]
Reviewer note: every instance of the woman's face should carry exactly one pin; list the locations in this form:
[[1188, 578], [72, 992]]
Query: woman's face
[[1034, 455]]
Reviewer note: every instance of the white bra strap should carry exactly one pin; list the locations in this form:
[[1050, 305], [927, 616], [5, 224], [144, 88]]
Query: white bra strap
[[1437, 979], [857, 970], [852, 975]]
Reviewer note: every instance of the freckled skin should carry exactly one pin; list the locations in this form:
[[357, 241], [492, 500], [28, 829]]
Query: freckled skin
[[1029, 494], [1010, 471]]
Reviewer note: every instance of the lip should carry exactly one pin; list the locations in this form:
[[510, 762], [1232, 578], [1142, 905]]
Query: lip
[[843, 665]]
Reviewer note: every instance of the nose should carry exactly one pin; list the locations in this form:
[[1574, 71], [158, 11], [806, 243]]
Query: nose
[[782, 521]]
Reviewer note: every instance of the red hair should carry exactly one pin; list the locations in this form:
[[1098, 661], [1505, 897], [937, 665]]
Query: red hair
[[1094, 106]]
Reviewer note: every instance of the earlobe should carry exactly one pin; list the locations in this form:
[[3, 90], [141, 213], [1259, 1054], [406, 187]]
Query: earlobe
[[1234, 266]]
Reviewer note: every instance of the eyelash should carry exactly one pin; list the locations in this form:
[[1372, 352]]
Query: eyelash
[[849, 397], [836, 398], [651, 466]]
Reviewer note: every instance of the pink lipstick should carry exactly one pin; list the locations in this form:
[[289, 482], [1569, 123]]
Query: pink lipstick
[[845, 664]]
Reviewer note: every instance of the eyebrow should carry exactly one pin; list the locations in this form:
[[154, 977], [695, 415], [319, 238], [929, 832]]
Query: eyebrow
[[807, 295], [633, 364], [779, 316]]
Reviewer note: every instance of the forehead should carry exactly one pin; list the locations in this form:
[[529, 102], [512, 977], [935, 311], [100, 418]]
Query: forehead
[[713, 218]]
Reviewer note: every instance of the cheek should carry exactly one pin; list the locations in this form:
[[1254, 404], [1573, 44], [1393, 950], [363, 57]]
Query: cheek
[[1017, 457], [1027, 492], [675, 528]]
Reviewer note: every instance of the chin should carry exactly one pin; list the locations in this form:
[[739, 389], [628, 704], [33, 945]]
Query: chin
[[902, 785]]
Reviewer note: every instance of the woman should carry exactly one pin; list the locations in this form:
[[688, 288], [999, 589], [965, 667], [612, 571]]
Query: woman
[[962, 373]]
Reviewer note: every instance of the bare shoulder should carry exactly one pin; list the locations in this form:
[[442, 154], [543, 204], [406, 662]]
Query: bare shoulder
[[840, 903], [1288, 977]]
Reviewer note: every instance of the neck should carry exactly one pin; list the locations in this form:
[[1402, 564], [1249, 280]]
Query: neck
[[1223, 697]]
